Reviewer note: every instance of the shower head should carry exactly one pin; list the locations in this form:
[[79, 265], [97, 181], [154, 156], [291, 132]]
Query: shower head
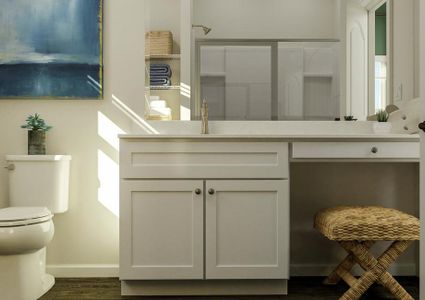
[[204, 28]]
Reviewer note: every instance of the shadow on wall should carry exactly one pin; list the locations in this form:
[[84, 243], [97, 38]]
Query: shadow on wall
[[108, 153]]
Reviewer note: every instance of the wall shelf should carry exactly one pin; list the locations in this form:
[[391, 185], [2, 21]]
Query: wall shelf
[[162, 57], [319, 75], [164, 88], [213, 74]]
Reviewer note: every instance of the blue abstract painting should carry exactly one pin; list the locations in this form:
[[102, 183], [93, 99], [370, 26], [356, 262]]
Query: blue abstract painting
[[51, 49]]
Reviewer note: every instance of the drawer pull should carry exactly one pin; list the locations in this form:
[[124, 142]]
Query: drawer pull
[[211, 191], [375, 150], [198, 191]]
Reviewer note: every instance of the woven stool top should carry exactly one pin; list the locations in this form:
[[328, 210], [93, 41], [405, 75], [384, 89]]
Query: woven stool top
[[367, 223]]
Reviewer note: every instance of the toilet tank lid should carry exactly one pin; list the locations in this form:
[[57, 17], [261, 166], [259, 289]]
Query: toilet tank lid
[[38, 157], [23, 213]]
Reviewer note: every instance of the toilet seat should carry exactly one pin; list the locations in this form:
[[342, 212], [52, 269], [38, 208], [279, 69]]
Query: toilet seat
[[23, 216]]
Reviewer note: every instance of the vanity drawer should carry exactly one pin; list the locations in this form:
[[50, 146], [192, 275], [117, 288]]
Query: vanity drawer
[[203, 159], [355, 150]]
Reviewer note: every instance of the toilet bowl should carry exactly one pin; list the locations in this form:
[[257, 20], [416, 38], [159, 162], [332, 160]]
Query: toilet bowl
[[38, 188], [24, 235]]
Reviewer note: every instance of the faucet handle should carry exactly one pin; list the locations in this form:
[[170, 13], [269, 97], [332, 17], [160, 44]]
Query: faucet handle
[[204, 117]]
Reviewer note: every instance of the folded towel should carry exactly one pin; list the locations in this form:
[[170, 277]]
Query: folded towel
[[156, 78], [158, 104], [166, 111], [163, 69], [154, 74], [159, 81], [160, 69], [154, 66]]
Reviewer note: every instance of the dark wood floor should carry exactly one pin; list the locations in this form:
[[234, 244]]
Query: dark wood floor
[[301, 288]]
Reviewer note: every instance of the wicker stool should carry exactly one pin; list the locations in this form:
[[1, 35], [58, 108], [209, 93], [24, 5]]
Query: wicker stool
[[356, 229]]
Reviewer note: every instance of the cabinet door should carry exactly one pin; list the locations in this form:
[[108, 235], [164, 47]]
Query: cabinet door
[[161, 230], [247, 229]]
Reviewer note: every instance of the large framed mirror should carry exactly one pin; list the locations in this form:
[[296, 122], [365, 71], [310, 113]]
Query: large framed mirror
[[285, 60], [268, 79]]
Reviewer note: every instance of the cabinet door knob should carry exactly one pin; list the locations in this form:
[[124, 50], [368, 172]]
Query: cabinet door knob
[[10, 167], [375, 150], [198, 191], [211, 191]]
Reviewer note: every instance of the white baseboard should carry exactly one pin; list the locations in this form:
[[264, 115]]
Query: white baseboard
[[83, 271], [92, 270], [409, 269]]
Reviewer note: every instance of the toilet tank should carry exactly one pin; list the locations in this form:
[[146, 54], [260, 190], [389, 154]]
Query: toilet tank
[[39, 180]]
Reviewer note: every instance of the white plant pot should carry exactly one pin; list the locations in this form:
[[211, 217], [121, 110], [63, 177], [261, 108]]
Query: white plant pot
[[382, 127]]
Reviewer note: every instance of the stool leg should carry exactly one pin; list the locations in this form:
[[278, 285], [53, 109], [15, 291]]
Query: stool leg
[[376, 269], [386, 259], [366, 280], [360, 287], [345, 267]]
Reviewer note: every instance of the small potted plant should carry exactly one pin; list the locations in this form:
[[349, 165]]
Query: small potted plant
[[349, 118], [382, 126], [37, 129]]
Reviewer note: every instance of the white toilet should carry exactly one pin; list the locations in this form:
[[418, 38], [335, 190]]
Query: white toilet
[[38, 188]]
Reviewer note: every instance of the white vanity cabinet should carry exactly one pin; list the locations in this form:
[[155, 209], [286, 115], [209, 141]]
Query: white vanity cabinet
[[247, 229], [204, 210], [162, 230]]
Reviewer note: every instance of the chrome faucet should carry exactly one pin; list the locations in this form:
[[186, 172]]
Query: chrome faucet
[[204, 116]]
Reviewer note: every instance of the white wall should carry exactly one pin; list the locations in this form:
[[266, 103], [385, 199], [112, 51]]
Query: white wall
[[416, 27], [88, 233], [187, 60], [404, 42], [356, 60], [274, 19], [165, 15]]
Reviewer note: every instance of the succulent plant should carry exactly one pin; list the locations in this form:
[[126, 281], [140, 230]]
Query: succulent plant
[[382, 116], [35, 123]]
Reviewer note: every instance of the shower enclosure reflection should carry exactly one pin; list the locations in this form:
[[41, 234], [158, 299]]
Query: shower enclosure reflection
[[269, 80]]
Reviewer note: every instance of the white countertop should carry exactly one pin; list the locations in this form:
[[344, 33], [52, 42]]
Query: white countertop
[[286, 130], [375, 137]]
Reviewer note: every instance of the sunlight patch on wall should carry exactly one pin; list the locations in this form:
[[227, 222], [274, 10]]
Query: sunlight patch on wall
[[133, 116], [185, 101], [108, 130], [108, 176], [185, 90]]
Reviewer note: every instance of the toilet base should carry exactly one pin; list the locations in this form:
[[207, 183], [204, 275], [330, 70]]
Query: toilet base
[[23, 277], [48, 283]]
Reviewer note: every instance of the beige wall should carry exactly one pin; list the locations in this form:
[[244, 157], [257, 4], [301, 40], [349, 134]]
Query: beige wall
[[416, 49], [267, 19], [405, 64], [164, 15], [88, 233]]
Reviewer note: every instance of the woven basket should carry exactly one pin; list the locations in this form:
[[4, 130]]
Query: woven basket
[[158, 43]]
